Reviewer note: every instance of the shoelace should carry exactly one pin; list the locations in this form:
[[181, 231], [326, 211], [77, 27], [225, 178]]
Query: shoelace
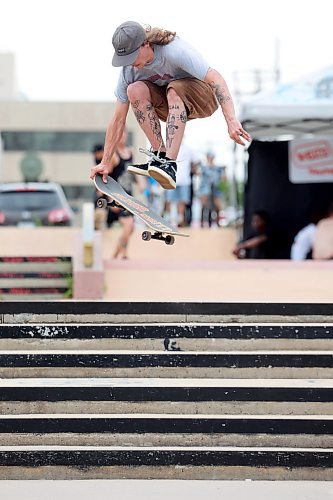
[[152, 155]]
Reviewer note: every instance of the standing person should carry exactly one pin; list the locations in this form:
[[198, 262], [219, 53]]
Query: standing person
[[118, 171], [163, 78], [210, 190], [181, 196]]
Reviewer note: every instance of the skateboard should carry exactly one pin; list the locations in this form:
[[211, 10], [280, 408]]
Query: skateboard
[[161, 228]]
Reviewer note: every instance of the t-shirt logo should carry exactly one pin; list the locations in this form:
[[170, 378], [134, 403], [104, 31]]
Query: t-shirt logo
[[166, 77]]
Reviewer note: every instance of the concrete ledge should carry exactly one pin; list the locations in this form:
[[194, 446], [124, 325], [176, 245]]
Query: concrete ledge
[[88, 282]]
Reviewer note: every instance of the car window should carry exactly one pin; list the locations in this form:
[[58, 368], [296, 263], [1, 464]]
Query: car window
[[29, 200]]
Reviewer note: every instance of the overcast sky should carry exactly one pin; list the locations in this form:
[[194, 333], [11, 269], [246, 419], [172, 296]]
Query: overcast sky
[[64, 50]]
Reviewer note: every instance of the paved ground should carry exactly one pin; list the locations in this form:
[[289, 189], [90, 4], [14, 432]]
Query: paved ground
[[202, 268], [199, 268], [164, 490], [219, 281]]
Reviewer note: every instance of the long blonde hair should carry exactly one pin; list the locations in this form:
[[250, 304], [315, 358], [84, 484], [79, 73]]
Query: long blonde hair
[[159, 36]]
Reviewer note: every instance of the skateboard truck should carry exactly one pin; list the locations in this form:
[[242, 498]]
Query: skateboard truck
[[103, 203], [168, 239]]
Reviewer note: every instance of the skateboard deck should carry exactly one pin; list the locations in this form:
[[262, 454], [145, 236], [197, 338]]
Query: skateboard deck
[[160, 226]]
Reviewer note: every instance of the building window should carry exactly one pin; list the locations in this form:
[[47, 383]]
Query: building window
[[56, 142], [81, 193]]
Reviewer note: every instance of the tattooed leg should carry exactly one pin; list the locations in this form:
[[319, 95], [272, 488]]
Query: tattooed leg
[[175, 125], [148, 120], [140, 99]]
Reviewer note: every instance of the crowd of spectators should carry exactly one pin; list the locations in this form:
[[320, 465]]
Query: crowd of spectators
[[199, 200]]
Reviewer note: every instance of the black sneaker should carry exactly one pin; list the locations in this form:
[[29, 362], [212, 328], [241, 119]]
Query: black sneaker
[[164, 173], [142, 169]]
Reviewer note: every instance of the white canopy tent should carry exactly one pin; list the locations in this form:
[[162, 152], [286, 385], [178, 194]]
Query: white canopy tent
[[295, 109], [294, 114]]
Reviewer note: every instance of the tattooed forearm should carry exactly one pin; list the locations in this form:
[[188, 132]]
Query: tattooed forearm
[[154, 122], [139, 115], [221, 95]]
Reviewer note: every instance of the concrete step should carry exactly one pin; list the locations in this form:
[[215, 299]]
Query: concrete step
[[38, 282], [260, 364], [186, 345], [188, 463], [34, 278], [167, 430], [170, 337], [168, 312], [39, 295], [36, 265], [185, 396], [220, 390]]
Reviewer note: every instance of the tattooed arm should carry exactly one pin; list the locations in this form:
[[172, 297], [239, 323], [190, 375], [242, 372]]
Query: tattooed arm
[[113, 135], [222, 94]]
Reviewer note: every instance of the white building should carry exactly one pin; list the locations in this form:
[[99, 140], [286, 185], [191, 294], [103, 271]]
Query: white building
[[62, 134], [8, 87]]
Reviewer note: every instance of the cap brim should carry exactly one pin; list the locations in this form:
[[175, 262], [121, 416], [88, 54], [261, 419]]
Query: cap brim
[[127, 60]]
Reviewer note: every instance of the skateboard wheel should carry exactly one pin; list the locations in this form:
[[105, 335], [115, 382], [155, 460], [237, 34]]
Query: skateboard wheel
[[101, 203], [146, 235], [169, 240]]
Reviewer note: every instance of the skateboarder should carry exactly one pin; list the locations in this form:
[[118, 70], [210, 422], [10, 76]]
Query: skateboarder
[[163, 78]]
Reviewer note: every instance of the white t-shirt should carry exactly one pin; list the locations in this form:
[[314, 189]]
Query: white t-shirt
[[185, 158], [303, 242], [174, 61]]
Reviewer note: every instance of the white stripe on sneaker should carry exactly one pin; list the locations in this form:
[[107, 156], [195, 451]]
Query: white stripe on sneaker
[[162, 177], [140, 171]]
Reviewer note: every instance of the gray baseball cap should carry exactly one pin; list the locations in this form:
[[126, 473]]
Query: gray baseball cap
[[127, 40]]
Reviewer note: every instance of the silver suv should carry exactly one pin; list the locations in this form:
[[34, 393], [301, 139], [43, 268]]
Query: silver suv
[[34, 204]]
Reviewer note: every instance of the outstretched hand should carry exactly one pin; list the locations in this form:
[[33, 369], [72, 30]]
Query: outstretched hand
[[100, 169], [236, 132]]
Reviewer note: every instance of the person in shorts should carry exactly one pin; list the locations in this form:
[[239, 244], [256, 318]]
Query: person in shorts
[[163, 78], [187, 161], [210, 192]]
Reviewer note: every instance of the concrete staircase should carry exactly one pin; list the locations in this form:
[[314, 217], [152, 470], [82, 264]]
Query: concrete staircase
[[35, 278], [166, 390]]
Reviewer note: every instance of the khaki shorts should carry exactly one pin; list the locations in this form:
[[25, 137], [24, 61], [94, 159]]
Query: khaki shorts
[[197, 96]]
